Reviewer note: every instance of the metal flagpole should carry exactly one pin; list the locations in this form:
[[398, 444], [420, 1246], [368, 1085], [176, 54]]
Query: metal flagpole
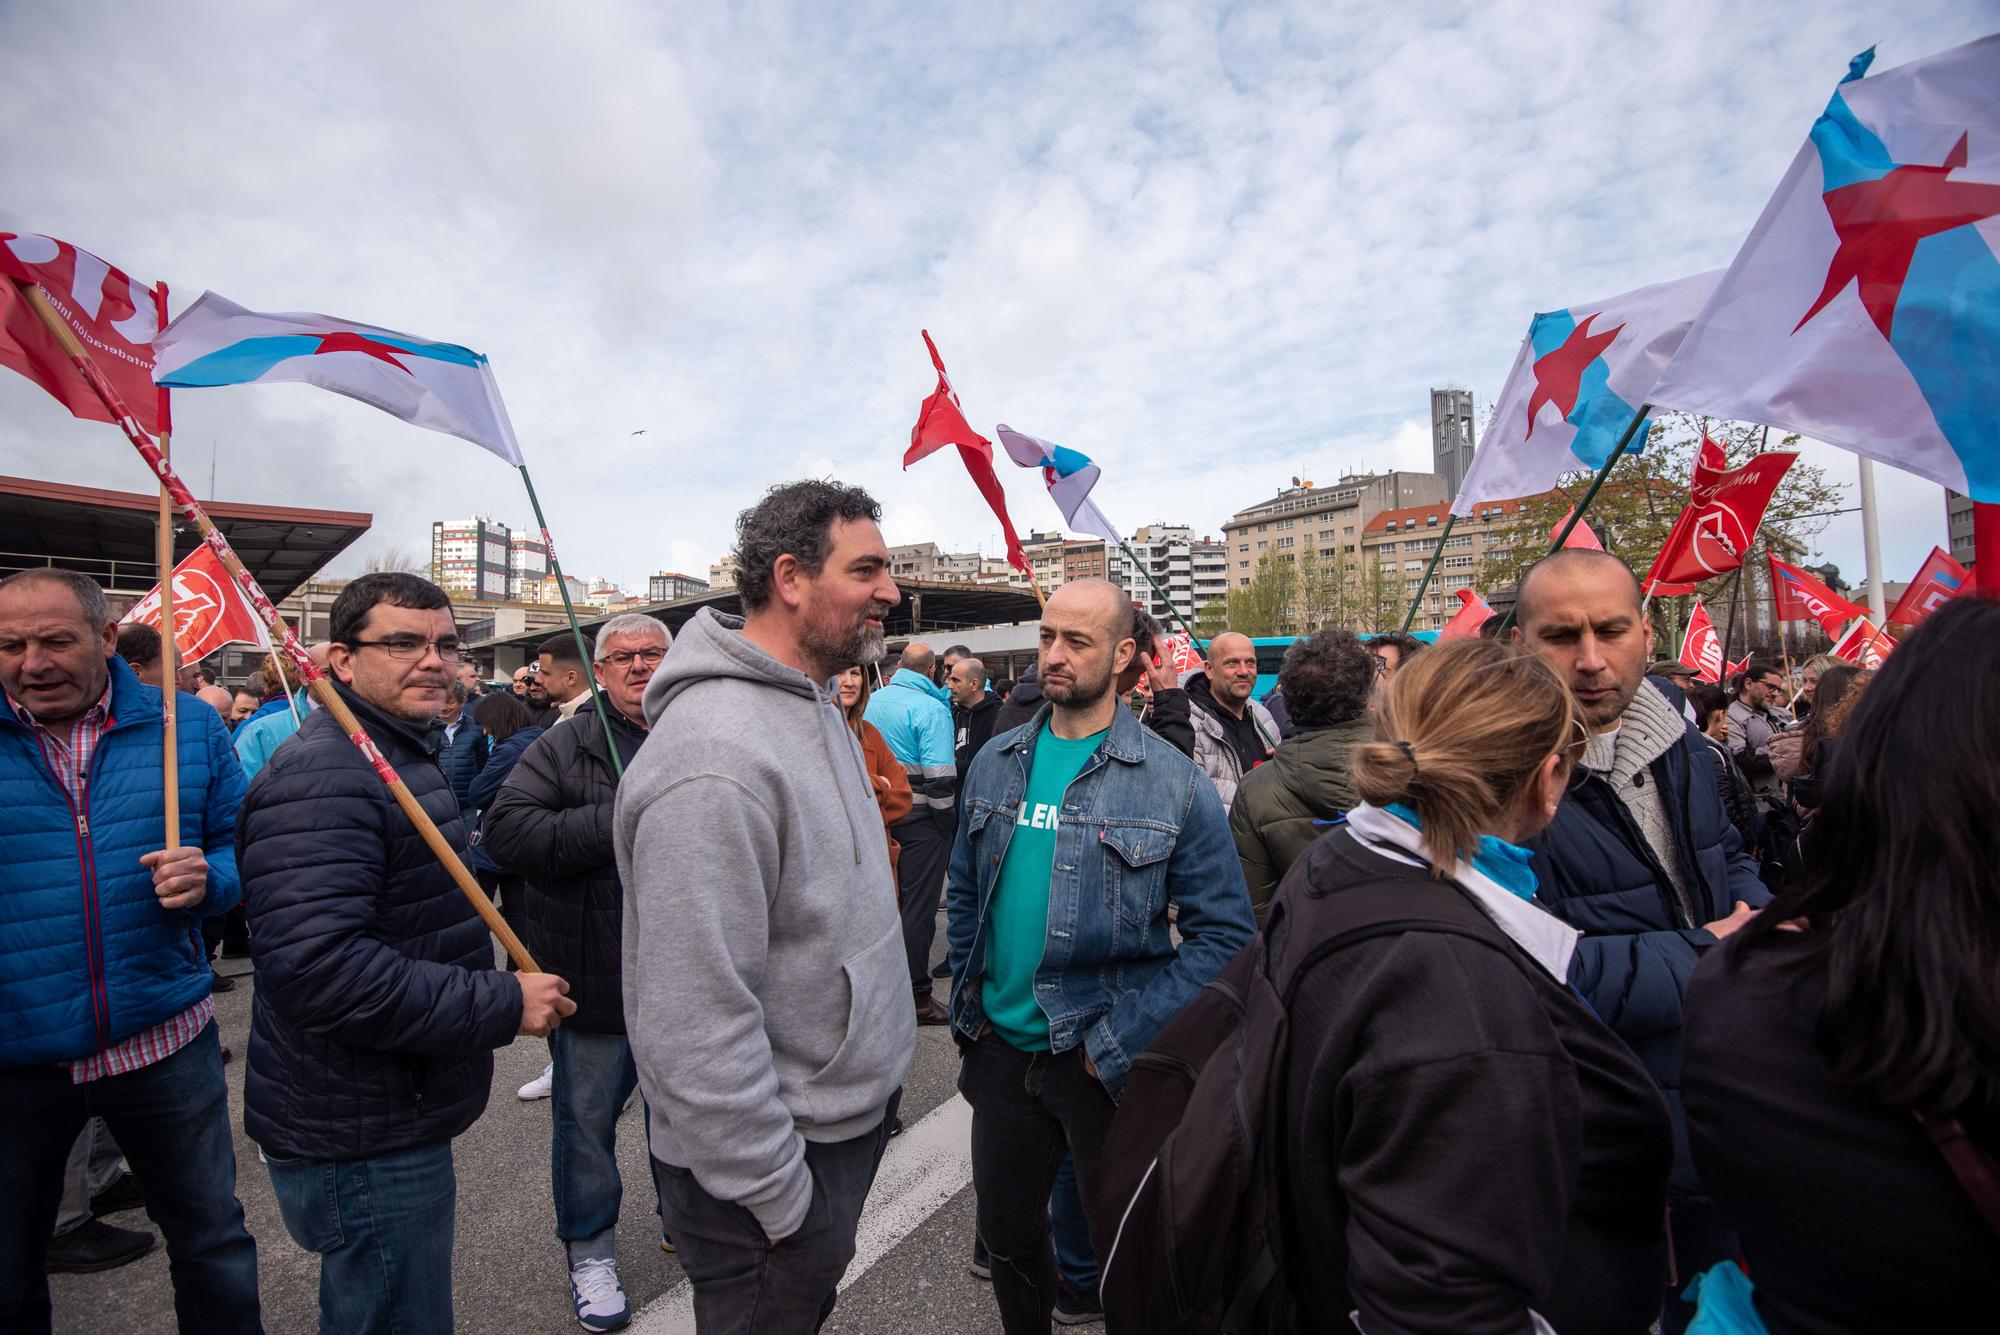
[[1425, 582], [1871, 543], [316, 681], [1596, 483], [1133, 557], [582, 650]]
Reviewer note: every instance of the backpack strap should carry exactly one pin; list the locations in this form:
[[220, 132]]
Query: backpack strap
[[1972, 1166]]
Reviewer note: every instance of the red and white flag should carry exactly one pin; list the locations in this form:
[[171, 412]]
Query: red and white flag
[[1865, 645], [114, 316], [1730, 670], [208, 611], [1938, 581], [1466, 621], [1797, 596], [1714, 532], [1581, 536], [1701, 647], [941, 422]]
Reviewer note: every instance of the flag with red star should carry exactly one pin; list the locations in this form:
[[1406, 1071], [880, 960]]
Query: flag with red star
[[1864, 309], [1581, 375], [440, 386]]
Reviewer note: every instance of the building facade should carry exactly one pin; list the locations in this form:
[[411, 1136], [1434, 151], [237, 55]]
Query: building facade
[[670, 586], [1400, 542], [722, 575], [1451, 437], [1329, 520], [527, 562], [1192, 571], [471, 557], [1958, 523]]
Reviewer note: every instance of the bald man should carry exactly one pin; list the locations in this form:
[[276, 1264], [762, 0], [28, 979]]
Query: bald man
[[1233, 734]]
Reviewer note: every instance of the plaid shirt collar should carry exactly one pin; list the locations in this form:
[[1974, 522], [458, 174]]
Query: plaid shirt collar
[[93, 719]]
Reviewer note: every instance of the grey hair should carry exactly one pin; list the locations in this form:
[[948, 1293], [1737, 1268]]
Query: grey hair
[[89, 596], [456, 691], [627, 623]]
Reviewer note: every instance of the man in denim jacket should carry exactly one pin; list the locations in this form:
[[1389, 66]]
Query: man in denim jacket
[[1076, 832]]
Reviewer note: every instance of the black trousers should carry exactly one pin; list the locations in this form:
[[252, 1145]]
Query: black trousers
[[745, 1284], [1029, 1110], [920, 871]]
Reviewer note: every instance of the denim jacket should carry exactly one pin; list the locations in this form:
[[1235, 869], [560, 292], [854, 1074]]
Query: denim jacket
[[1141, 828]]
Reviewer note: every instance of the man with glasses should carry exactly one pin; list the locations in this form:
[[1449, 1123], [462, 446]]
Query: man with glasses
[[377, 1006], [552, 826]]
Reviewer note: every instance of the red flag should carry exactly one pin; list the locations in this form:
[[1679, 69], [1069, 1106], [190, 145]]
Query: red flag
[[1865, 645], [208, 612], [1799, 597], [1731, 669], [1714, 532], [1580, 536], [113, 316], [1938, 581], [941, 422], [1466, 621], [1701, 647]]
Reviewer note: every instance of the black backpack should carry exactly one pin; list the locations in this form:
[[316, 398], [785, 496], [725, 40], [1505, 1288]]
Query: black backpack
[[1191, 1170]]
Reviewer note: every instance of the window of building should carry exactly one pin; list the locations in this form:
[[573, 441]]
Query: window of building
[[1242, 546], [1431, 522], [1262, 545], [1242, 565], [1286, 542], [1284, 524], [1329, 551], [1457, 563], [1347, 532]]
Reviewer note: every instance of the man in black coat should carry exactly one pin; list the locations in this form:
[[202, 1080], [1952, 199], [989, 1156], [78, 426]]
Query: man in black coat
[[377, 1004], [973, 709], [551, 825]]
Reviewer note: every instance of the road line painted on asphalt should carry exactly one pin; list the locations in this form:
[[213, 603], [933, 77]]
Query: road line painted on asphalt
[[925, 1166]]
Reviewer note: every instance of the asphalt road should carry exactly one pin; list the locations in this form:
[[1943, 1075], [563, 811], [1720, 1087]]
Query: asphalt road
[[508, 1269]]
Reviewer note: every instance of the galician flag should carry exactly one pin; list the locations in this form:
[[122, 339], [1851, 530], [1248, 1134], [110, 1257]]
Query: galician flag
[[1069, 476], [437, 385], [1864, 309], [1580, 376]]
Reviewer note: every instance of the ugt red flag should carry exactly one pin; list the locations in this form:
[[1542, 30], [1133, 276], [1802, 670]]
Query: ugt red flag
[[1714, 532], [113, 316], [1701, 647], [1797, 596], [1466, 621], [1940, 580], [1581, 536], [1865, 645], [941, 422], [208, 612]]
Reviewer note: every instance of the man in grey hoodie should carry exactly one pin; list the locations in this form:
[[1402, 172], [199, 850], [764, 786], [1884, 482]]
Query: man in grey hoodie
[[766, 994]]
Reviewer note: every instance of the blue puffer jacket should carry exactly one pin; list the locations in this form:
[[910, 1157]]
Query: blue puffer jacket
[[462, 758], [87, 956], [1639, 947], [377, 1007], [913, 714], [487, 787]]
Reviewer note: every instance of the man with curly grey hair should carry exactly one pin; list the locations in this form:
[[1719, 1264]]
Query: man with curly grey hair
[[1281, 808]]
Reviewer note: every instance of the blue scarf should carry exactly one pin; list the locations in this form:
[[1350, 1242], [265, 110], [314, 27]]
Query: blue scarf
[[1507, 865]]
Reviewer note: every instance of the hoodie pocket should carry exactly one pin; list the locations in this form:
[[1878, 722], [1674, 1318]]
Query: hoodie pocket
[[877, 985]]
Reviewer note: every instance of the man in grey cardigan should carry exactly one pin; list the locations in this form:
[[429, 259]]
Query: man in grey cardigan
[[766, 994]]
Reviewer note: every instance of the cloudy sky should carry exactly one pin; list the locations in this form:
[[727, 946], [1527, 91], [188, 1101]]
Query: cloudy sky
[[1210, 246]]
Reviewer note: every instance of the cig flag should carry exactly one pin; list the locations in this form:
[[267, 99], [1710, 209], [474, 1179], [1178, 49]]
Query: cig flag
[[1068, 475], [1864, 309], [1580, 376], [113, 315], [440, 386], [208, 611]]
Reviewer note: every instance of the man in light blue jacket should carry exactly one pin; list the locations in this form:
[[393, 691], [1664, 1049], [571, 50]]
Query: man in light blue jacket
[[913, 714]]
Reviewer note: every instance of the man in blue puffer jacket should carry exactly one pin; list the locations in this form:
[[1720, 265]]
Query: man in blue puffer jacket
[[105, 1005], [1641, 856], [377, 1007]]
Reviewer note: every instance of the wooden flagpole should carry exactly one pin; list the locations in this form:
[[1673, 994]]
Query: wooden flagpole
[[170, 734], [281, 633]]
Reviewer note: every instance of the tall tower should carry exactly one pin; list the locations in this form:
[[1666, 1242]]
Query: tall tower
[[1451, 437]]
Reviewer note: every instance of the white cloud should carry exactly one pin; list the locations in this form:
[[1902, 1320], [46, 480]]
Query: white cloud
[[1209, 246]]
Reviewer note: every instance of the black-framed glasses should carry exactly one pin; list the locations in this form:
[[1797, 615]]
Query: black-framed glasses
[[1381, 664], [624, 658], [409, 648]]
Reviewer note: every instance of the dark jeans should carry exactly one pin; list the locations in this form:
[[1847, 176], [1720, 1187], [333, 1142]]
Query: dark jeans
[[172, 1120], [1029, 1110], [508, 894], [383, 1231], [744, 1284], [1070, 1230], [920, 873], [594, 1076]]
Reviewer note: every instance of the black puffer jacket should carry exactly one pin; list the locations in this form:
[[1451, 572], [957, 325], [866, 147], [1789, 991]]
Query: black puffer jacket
[[377, 1006], [551, 824]]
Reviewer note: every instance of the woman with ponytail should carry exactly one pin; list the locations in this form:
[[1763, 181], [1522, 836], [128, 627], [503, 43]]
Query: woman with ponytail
[[1466, 1146]]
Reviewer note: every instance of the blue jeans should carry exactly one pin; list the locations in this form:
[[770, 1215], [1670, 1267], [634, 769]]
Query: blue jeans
[[172, 1120], [383, 1230], [594, 1075], [1075, 1261]]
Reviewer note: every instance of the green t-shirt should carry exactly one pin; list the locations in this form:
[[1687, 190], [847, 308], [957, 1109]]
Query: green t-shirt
[[1017, 924]]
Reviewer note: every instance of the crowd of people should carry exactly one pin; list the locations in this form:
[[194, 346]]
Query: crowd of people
[[1588, 997]]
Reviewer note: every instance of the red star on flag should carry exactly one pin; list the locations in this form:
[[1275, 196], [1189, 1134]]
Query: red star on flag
[[1559, 374], [1879, 223], [368, 347]]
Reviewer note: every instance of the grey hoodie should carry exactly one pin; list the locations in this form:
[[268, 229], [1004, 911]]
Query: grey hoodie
[[766, 994]]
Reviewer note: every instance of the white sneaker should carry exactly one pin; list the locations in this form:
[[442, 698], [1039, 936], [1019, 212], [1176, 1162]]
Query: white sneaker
[[600, 1298], [540, 1087]]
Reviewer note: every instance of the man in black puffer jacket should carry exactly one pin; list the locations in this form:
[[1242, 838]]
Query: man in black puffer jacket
[[551, 825], [377, 1004]]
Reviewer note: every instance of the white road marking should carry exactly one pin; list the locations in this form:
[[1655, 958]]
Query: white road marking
[[924, 1167]]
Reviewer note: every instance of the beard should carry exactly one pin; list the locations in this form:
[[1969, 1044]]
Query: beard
[[835, 643], [1080, 690]]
